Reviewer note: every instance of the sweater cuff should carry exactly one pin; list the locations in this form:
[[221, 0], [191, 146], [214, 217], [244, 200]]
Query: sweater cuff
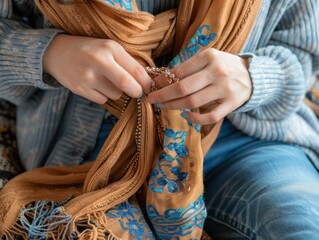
[[22, 52], [264, 72]]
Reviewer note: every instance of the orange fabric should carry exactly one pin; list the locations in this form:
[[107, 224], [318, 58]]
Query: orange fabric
[[127, 158]]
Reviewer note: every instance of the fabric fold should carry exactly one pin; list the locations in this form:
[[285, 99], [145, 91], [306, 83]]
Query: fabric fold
[[147, 181]]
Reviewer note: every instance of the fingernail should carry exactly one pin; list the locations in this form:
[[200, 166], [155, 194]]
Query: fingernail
[[158, 105], [184, 114], [141, 95]]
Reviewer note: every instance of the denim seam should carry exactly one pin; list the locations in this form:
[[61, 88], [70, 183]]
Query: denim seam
[[230, 222]]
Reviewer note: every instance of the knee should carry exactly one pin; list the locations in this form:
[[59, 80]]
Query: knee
[[289, 213], [286, 212], [267, 196]]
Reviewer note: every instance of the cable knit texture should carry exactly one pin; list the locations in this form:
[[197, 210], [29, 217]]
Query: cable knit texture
[[280, 68], [283, 50]]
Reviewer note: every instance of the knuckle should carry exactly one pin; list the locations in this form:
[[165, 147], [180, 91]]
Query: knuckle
[[220, 70], [88, 76], [213, 117], [210, 55], [123, 82], [182, 88], [138, 71], [93, 55]]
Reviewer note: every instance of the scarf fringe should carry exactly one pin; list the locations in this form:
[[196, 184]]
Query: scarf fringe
[[14, 232], [42, 220], [97, 227], [48, 220]]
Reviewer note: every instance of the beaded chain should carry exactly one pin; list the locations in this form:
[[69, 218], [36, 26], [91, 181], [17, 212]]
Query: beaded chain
[[171, 78], [153, 72]]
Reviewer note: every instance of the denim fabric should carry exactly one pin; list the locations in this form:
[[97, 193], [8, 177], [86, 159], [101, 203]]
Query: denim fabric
[[254, 189], [59, 128], [259, 190]]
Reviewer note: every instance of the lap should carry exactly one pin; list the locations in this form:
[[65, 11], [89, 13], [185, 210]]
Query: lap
[[261, 190]]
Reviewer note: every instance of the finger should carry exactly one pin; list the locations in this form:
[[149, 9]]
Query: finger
[[216, 114], [134, 68], [185, 69], [197, 99], [108, 89], [161, 81], [191, 66], [95, 96], [122, 80], [181, 89]]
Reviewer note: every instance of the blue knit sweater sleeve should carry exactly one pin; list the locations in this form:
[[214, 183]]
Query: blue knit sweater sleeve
[[282, 64], [316, 65], [21, 51]]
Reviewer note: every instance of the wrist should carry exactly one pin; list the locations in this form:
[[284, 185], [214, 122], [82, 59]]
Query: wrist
[[263, 87], [53, 51], [246, 62]]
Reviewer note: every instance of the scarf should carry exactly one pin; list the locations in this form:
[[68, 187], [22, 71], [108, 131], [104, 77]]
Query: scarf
[[147, 181]]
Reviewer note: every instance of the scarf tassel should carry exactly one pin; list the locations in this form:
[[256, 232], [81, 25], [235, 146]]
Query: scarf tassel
[[48, 220], [43, 219]]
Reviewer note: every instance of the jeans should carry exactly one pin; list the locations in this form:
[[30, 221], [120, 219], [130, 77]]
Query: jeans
[[259, 189], [254, 189]]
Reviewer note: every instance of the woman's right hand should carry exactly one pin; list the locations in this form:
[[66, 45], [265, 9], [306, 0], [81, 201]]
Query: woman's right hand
[[96, 69]]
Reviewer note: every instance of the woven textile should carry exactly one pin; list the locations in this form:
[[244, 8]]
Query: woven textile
[[147, 180], [9, 161]]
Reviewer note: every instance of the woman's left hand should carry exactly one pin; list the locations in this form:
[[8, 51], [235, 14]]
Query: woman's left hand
[[215, 82]]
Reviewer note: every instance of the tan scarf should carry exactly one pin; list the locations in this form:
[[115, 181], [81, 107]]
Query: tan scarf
[[149, 162]]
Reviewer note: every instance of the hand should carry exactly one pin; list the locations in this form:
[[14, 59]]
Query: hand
[[215, 82], [96, 69]]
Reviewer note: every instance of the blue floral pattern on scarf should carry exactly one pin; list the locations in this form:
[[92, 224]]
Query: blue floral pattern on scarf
[[194, 45], [174, 142], [168, 174], [131, 219], [166, 226], [184, 115], [124, 4]]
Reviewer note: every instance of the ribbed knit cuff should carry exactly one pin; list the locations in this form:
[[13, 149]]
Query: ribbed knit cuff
[[316, 65], [264, 72], [21, 54]]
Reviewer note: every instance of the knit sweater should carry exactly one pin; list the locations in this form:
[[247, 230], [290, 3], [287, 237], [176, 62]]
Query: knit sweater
[[56, 127]]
